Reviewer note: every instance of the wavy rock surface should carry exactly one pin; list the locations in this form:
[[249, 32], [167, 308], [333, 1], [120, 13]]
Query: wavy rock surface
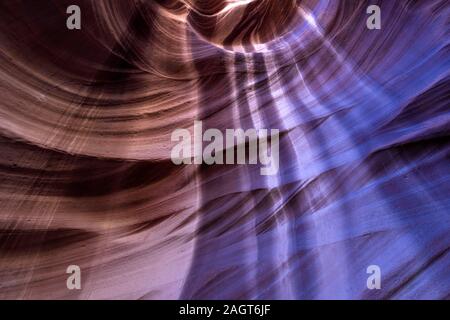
[[86, 118]]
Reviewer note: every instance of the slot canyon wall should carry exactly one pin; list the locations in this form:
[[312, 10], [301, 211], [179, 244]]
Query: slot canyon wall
[[86, 118]]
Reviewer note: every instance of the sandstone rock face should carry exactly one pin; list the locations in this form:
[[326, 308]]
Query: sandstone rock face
[[87, 180]]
